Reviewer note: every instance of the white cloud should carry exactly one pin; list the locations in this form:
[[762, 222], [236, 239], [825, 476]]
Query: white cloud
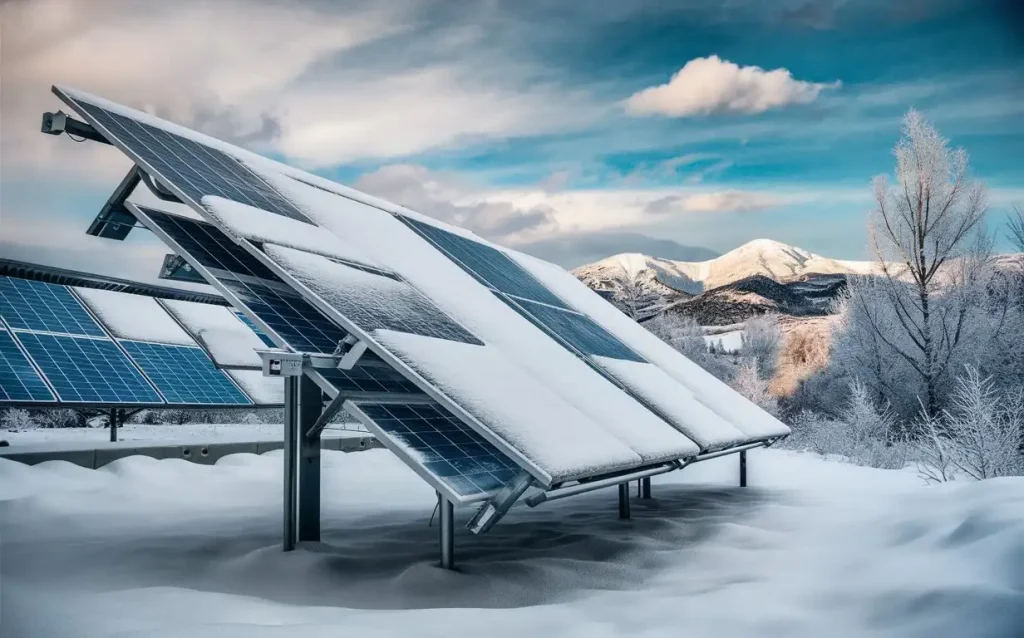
[[724, 201], [706, 86]]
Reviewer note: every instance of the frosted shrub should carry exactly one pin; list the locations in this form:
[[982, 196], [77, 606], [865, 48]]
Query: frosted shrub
[[685, 335], [753, 386], [761, 338], [985, 429], [16, 419], [58, 419]]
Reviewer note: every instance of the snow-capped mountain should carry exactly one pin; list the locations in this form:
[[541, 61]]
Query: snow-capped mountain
[[765, 257]]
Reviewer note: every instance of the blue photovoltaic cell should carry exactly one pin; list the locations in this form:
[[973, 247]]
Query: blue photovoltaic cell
[[492, 267], [84, 370], [444, 446], [37, 305], [579, 331], [300, 325], [194, 168], [19, 381], [256, 329], [184, 374]]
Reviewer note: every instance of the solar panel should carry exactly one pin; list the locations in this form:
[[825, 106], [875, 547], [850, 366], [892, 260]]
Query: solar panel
[[195, 168], [441, 445], [35, 305], [19, 381], [492, 267], [183, 374], [370, 301], [296, 322], [579, 331], [84, 370]]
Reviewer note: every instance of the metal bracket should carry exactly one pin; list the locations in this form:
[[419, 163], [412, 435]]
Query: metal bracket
[[493, 510], [175, 268], [114, 221], [351, 358], [325, 417]]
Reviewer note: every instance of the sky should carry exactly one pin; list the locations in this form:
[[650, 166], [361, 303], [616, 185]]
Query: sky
[[569, 130]]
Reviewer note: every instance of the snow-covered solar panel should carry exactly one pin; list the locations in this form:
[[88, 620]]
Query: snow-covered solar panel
[[472, 331], [134, 317], [225, 337]]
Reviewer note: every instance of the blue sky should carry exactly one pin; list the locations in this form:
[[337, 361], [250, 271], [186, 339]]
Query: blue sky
[[571, 130]]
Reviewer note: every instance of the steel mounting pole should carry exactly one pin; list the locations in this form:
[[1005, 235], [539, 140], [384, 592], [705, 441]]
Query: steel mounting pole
[[645, 488], [624, 501], [291, 440], [311, 406], [743, 468], [447, 533], [112, 419]]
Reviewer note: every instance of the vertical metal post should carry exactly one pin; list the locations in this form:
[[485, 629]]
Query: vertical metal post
[[311, 405], [624, 500], [743, 468], [113, 425], [447, 526], [645, 487], [291, 438]]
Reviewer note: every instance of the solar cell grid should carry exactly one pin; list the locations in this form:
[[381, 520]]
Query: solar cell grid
[[447, 448], [194, 168], [19, 381], [579, 331], [491, 266], [35, 305], [256, 329], [184, 374], [84, 370]]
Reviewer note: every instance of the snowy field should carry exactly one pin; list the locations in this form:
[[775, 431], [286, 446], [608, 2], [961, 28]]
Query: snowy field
[[154, 549], [162, 433]]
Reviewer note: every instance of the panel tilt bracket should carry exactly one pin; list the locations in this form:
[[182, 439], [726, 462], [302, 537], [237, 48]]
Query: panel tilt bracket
[[115, 221], [493, 510]]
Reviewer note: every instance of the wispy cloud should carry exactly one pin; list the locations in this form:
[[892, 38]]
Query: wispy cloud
[[711, 85]]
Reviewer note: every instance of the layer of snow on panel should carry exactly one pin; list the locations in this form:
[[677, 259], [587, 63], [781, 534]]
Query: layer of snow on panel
[[134, 317], [532, 419], [257, 224], [676, 402], [400, 249], [716, 395], [262, 390], [230, 342]]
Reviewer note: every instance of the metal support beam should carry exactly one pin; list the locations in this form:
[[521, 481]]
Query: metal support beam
[[114, 221], [447, 533], [645, 488], [112, 421], [311, 405], [597, 484], [743, 468], [291, 441], [326, 415], [499, 504], [623, 501]]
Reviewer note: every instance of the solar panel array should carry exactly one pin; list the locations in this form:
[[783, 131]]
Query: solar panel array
[[309, 303], [53, 349]]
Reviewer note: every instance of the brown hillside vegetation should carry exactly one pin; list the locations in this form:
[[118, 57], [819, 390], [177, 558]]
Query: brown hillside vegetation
[[804, 351]]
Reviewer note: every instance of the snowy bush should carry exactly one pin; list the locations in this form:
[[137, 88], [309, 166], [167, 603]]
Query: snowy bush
[[59, 419], [749, 382], [16, 419], [982, 434], [685, 335], [761, 338]]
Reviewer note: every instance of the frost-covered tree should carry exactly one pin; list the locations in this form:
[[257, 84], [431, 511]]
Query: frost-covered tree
[[1016, 228], [632, 296], [985, 428], [761, 338], [924, 234], [16, 419], [749, 382]]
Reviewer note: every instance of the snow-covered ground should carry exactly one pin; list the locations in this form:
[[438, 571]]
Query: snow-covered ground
[[727, 341], [147, 548], [163, 433]]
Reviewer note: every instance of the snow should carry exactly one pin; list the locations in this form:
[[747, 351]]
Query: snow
[[263, 390], [677, 403], [172, 549], [244, 221], [559, 439], [56, 438], [229, 342], [731, 341], [713, 393], [134, 317], [459, 295]]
